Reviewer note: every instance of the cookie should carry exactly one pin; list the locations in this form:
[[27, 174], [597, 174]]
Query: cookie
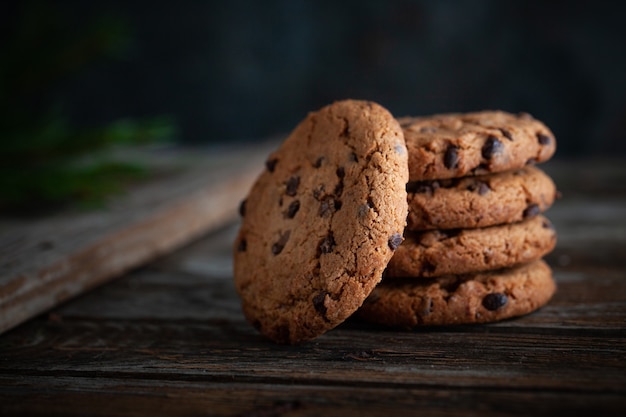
[[480, 201], [460, 299], [322, 221], [459, 251], [457, 145]]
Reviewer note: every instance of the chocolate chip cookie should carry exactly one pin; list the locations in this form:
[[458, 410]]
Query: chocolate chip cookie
[[480, 201], [457, 145], [458, 299], [459, 251], [322, 221]]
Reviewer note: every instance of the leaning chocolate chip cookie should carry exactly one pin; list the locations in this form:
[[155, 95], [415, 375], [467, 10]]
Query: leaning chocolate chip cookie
[[456, 145], [459, 251], [322, 221], [460, 299], [479, 201]]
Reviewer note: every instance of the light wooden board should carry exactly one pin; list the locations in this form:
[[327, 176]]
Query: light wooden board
[[46, 261]]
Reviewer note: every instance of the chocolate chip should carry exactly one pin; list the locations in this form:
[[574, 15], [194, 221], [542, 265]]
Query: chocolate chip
[[483, 188], [327, 206], [327, 244], [491, 147], [341, 173], [292, 185], [319, 162], [318, 303], [353, 157], [546, 224], [531, 161], [427, 306], [280, 244], [363, 210], [370, 203], [243, 245], [318, 192], [271, 164], [480, 187], [293, 209], [494, 301], [395, 240], [543, 139], [451, 157], [531, 211], [277, 248], [418, 187], [242, 208], [507, 134]]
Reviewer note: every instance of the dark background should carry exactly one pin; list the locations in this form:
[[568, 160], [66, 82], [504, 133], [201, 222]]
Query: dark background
[[241, 70]]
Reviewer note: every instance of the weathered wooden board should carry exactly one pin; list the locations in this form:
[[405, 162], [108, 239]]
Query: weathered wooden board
[[48, 260]]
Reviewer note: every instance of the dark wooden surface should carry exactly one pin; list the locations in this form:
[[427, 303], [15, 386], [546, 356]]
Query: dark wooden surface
[[169, 339], [51, 258]]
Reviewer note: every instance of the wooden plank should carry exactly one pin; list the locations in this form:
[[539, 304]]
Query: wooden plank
[[489, 357], [76, 396], [49, 260], [170, 338]]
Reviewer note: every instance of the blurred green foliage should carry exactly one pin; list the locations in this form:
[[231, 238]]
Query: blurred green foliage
[[46, 161]]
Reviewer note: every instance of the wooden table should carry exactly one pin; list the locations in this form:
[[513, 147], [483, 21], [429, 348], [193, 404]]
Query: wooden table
[[169, 339]]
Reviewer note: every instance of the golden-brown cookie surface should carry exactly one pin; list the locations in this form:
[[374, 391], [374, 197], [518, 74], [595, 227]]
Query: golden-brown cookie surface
[[459, 251], [456, 145], [460, 299], [479, 201]]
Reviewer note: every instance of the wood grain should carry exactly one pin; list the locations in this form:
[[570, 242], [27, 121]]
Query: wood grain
[[169, 338], [49, 260]]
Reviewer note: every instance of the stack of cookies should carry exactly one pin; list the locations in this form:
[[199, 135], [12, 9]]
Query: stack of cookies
[[447, 208], [475, 233]]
